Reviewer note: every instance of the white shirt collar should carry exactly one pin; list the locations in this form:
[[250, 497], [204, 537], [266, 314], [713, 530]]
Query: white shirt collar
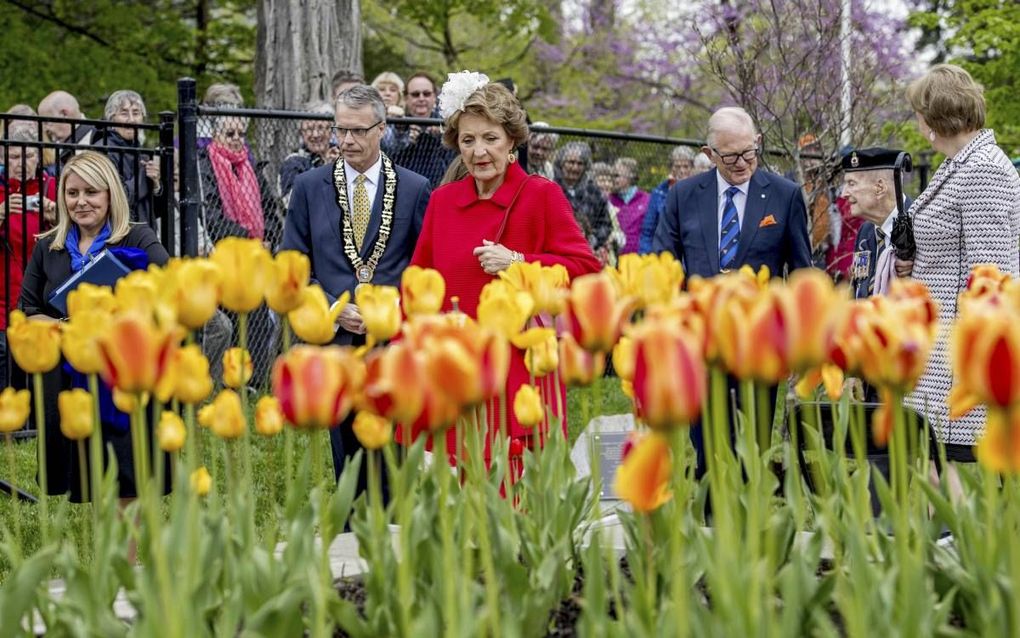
[[888, 223], [722, 185], [371, 175]]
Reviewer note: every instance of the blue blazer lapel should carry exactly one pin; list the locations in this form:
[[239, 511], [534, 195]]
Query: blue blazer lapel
[[754, 210], [708, 212], [331, 209]]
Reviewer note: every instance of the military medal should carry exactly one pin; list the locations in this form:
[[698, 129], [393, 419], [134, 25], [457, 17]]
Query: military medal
[[365, 270], [861, 268]]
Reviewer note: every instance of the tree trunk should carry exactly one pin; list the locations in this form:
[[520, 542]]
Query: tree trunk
[[300, 44]]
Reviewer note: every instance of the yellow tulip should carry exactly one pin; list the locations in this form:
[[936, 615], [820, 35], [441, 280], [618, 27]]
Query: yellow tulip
[[15, 406], [547, 285], [34, 343], [288, 276], [171, 432], [127, 402], [422, 291], [268, 416], [528, 406], [136, 352], [192, 383], [237, 367], [643, 478], [541, 354], [623, 358], [197, 292], [830, 376], [88, 297], [206, 415], [372, 431], [649, 279], [244, 272], [314, 320], [998, 449], [503, 309], [81, 338], [380, 310], [200, 481], [140, 291], [75, 408], [228, 417]]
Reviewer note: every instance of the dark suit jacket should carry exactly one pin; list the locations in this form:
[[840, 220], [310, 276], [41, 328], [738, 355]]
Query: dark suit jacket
[[689, 225], [313, 228]]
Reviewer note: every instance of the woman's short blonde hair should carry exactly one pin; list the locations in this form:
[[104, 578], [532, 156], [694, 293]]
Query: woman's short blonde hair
[[949, 100], [98, 172], [389, 77], [497, 104]]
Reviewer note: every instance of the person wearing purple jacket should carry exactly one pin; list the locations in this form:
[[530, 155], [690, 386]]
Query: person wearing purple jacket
[[630, 202]]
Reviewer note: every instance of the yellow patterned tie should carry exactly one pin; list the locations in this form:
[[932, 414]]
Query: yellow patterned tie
[[362, 211]]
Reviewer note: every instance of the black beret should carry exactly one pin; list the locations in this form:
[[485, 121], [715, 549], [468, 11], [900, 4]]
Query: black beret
[[870, 159]]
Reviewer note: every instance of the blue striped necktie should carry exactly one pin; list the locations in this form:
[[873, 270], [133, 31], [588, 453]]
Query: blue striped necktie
[[729, 232]]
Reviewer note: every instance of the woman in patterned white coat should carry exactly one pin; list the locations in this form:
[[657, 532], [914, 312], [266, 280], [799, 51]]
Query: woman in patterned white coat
[[968, 215]]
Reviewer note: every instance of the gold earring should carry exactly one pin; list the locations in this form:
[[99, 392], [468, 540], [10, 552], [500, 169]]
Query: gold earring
[[512, 158]]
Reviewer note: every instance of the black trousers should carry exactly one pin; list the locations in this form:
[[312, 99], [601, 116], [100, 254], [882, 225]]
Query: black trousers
[[344, 446]]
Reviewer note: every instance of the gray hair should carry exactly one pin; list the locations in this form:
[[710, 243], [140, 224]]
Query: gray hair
[[581, 149], [222, 94], [319, 106], [729, 118], [118, 99], [362, 95], [702, 163], [681, 153], [537, 133], [23, 134], [631, 165]]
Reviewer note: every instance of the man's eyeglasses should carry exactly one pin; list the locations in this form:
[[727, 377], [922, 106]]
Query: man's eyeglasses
[[730, 159], [358, 133], [420, 94]]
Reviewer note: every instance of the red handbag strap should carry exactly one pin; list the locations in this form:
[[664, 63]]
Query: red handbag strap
[[506, 215]]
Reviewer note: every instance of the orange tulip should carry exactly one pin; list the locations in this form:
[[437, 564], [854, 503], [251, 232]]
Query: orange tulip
[[578, 366], [643, 478], [136, 352], [892, 354], [882, 419], [422, 291], [316, 386], [237, 367], [670, 378], [287, 277], [814, 304], [985, 355], [596, 312], [394, 382], [998, 449]]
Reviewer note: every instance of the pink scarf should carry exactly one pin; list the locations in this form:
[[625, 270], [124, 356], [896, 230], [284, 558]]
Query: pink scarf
[[239, 190]]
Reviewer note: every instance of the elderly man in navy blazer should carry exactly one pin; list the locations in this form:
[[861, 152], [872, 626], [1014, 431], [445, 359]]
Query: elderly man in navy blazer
[[358, 220], [736, 214]]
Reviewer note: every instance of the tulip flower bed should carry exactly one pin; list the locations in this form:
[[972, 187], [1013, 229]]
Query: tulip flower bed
[[483, 549]]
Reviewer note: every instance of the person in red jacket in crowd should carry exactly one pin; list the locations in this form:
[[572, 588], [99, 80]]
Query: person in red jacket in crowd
[[22, 198], [495, 216]]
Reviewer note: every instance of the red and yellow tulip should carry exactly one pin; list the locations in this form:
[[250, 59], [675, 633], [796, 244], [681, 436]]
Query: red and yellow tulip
[[578, 366], [998, 449], [596, 312], [643, 478], [394, 383], [316, 386], [670, 378], [136, 352]]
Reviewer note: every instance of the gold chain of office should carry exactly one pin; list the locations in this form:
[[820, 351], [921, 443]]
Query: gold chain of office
[[365, 270]]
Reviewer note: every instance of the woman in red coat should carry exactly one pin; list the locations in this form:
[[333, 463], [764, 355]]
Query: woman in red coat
[[477, 226]]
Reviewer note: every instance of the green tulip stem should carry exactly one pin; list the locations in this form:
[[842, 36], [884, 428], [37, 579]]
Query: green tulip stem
[[83, 469], [15, 502], [96, 452], [40, 429], [440, 465], [285, 333]]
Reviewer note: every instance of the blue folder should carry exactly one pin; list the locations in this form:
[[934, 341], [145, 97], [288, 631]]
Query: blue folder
[[102, 270]]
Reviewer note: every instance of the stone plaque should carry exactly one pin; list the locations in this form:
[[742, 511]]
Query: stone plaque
[[605, 436], [609, 447]]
